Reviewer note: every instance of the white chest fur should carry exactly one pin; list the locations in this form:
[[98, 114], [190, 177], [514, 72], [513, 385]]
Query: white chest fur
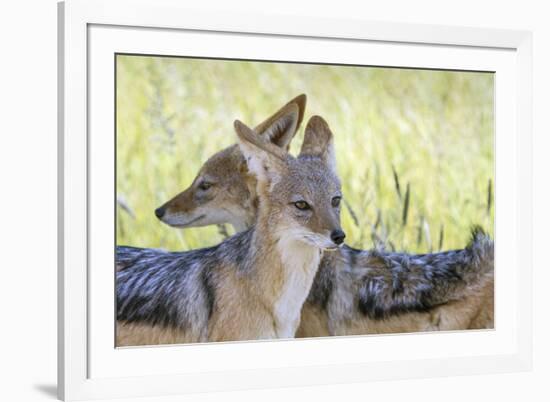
[[299, 262]]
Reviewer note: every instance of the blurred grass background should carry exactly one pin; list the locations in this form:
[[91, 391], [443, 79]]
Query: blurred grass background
[[414, 147]]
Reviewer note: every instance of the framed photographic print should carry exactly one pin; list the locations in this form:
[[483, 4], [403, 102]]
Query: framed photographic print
[[259, 201]]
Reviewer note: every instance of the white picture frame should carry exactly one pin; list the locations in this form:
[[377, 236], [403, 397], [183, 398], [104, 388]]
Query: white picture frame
[[92, 31]]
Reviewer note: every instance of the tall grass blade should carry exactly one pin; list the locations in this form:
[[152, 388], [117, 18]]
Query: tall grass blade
[[396, 181], [122, 203], [441, 235], [406, 204], [352, 213]]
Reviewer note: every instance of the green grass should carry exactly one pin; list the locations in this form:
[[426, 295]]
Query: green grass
[[414, 147]]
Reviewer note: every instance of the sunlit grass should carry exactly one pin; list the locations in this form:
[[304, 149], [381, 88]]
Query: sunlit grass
[[428, 134]]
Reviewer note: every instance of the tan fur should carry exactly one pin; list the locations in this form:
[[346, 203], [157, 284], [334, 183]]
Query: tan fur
[[243, 298]]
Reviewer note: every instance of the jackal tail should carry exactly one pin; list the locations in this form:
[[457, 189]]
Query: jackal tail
[[396, 283]]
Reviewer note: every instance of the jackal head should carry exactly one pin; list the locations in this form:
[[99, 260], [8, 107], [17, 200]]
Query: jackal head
[[223, 191], [299, 197]]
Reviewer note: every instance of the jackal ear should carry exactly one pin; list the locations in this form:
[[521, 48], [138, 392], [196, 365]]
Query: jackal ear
[[318, 141], [282, 126], [264, 159]]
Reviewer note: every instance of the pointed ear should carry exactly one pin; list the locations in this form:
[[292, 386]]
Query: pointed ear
[[282, 126], [265, 160], [318, 141]]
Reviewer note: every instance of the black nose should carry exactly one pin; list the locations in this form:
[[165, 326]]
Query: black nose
[[337, 236], [159, 212]]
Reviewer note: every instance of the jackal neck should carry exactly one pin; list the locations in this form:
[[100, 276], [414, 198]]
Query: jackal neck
[[284, 270]]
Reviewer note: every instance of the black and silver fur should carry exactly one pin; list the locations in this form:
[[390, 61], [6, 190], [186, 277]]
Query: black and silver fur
[[168, 288], [383, 284], [174, 289]]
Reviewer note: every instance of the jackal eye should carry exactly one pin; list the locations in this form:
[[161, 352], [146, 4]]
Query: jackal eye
[[336, 201], [302, 205], [205, 185]]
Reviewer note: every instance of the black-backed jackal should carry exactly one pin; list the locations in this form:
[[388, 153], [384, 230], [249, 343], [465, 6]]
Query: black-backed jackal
[[252, 285]]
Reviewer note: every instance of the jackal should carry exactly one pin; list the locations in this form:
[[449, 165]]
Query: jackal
[[252, 285], [355, 291], [223, 190]]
